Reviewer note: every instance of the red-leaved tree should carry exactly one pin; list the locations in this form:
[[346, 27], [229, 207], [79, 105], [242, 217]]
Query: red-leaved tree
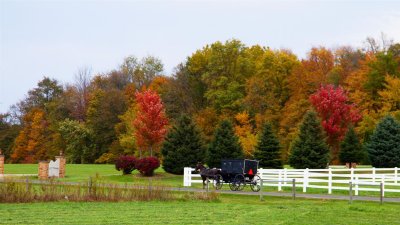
[[336, 113], [150, 122]]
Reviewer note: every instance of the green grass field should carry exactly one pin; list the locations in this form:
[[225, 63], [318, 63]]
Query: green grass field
[[230, 209], [108, 174]]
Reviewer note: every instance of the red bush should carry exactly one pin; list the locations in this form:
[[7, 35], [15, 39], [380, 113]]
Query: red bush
[[126, 163], [146, 166]]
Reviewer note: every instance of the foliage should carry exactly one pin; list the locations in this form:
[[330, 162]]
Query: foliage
[[31, 142], [183, 147], [268, 149], [225, 145], [384, 145], [309, 149], [244, 130], [147, 165], [125, 163], [336, 113], [350, 148], [78, 142], [150, 122], [8, 133], [102, 116]]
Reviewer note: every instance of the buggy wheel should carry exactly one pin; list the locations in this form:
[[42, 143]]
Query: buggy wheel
[[255, 184], [217, 182], [232, 186], [239, 182]]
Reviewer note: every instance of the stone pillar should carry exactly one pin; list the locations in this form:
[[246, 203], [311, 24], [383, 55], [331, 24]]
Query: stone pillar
[[43, 170], [1, 163], [63, 163]]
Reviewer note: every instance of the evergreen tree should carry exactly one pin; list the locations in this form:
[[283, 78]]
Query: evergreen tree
[[309, 149], [384, 145], [350, 148], [182, 147], [268, 149], [225, 145]]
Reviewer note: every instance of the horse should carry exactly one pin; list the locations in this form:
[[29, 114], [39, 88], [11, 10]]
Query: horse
[[206, 173]]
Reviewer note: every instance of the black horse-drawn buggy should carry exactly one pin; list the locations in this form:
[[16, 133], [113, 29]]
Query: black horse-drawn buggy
[[235, 172]]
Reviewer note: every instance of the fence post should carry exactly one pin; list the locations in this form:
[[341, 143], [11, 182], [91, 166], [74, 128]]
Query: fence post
[[382, 193], [285, 176], [350, 192], [383, 185], [207, 184], [294, 189], [351, 173], [189, 177], [279, 180], [261, 190], [184, 176], [330, 181], [356, 192], [90, 186], [373, 174], [395, 175], [305, 180]]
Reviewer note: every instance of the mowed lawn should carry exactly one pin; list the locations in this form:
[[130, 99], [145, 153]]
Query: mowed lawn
[[229, 209]]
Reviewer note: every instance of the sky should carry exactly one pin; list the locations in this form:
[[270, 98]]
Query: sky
[[57, 38]]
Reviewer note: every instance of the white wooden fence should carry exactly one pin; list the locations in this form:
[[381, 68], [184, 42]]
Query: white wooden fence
[[363, 179]]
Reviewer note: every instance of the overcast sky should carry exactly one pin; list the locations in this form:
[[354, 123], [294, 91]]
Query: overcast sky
[[55, 38]]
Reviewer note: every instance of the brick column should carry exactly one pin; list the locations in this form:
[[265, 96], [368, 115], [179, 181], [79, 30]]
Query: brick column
[[43, 170], [63, 163], [1, 163]]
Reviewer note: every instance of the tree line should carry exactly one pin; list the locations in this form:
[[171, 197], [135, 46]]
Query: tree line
[[96, 119]]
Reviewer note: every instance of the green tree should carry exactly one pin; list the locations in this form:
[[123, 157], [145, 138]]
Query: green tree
[[350, 148], [78, 139], [225, 145], [384, 145], [309, 149], [182, 147], [102, 116], [268, 149], [8, 133]]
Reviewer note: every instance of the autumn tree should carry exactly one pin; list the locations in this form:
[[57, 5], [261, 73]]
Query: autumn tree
[[225, 145], [309, 149], [150, 122], [31, 142], [336, 114], [244, 130], [268, 149], [183, 147], [102, 116], [141, 72]]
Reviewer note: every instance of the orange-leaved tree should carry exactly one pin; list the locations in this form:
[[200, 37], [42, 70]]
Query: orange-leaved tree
[[150, 122]]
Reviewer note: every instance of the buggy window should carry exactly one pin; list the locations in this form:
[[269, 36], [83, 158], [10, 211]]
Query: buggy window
[[232, 166]]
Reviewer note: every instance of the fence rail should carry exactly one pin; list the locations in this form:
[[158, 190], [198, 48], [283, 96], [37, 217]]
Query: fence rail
[[363, 179]]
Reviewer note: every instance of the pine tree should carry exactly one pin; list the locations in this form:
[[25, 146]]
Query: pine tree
[[384, 145], [310, 150], [268, 149], [182, 147], [225, 145], [350, 148]]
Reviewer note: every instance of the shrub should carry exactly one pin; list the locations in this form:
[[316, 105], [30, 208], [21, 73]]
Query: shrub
[[146, 166], [126, 163]]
